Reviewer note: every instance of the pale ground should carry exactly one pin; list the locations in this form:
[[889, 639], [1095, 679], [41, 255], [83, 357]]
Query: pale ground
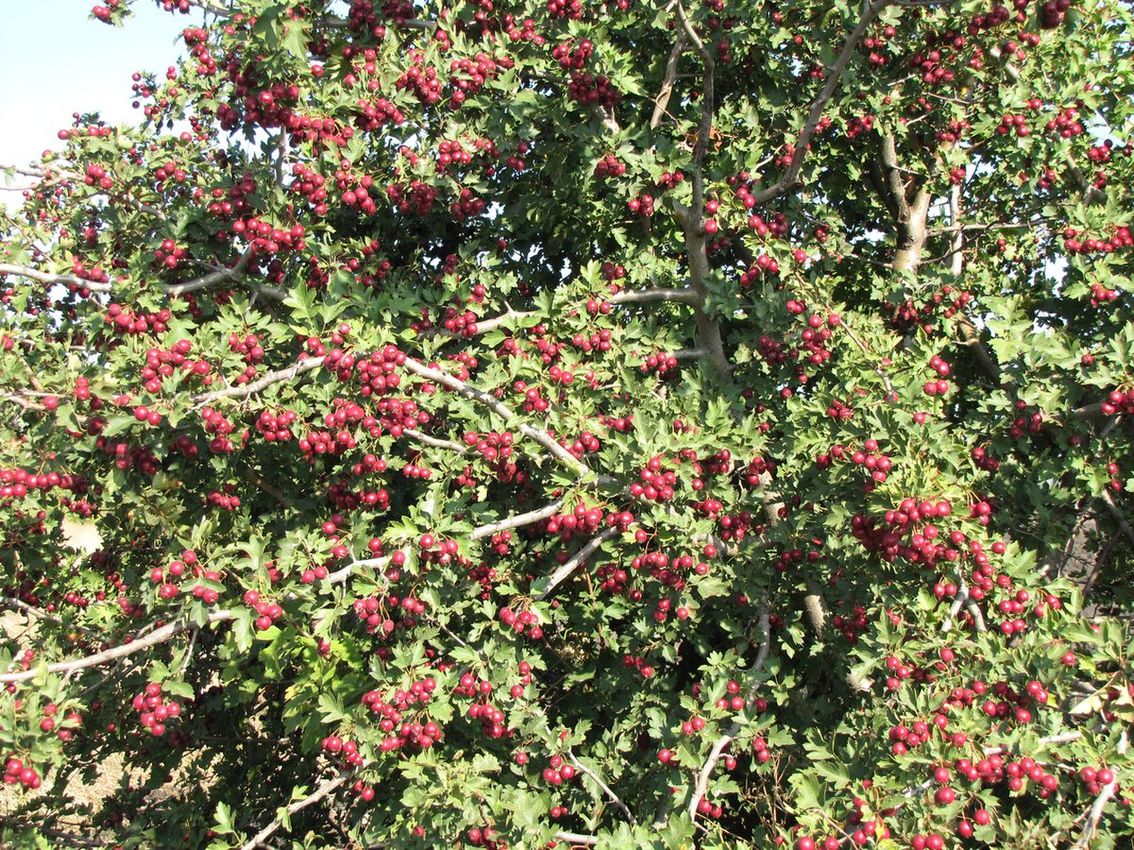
[[13, 624]]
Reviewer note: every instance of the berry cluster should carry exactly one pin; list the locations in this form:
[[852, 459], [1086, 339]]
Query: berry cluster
[[609, 166], [558, 771], [1119, 401], [762, 265], [347, 749], [17, 772], [468, 76], [521, 621], [264, 238], [154, 710], [276, 427], [869, 457], [266, 612], [421, 82], [587, 89], [122, 320], [392, 709], [161, 363], [661, 364], [217, 424], [416, 199], [18, 483], [225, 498], [491, 718]]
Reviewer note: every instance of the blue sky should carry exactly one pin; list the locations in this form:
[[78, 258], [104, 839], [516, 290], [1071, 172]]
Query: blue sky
[[56, 60]]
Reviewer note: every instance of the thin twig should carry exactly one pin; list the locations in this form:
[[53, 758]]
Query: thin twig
[[705, 773], [315, 796], [614, 798], [788, 180], [502, 410]]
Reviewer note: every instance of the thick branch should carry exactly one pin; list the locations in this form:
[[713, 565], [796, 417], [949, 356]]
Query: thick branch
[[157, 636], [912, 233], [892, 176], [682, 295], [263, 382], [813, 607], [51, 279], [579, 558], [517, 520]]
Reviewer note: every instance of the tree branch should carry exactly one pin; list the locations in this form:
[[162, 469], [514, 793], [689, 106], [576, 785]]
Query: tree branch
[[891, 174], [342, 574], [164, 633], [1094, 815], [221, 275], [503, 411], [435, 442], [707, 106], [614, 798], [315, 796], [517, 520], [51, 279], [579, 558], [705, 773], [788, 180], [33, 611], [263, 382], [1117, 516], [957, 263], [483, 326], [682, 295], [577, 838], [157, 636], [661, 102]]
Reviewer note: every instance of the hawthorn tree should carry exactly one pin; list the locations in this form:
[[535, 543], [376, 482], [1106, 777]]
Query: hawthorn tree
[[562, 423]]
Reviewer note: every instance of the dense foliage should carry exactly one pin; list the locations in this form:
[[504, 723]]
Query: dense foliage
[[532, 423]]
